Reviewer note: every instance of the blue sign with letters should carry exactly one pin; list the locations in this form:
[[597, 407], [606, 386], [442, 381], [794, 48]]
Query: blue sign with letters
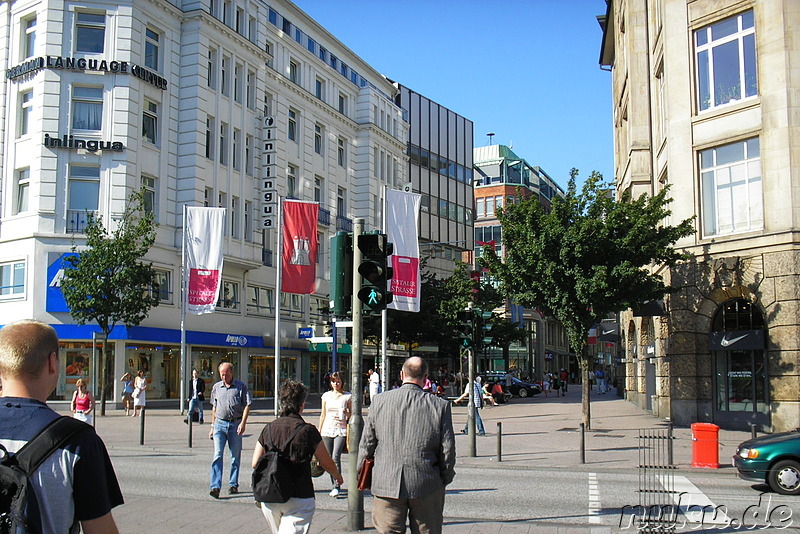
[[55, 273], [305, 333]]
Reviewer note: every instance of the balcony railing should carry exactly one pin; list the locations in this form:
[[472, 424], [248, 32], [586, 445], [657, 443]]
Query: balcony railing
[[343, 224], [77, 220], [324, 217]]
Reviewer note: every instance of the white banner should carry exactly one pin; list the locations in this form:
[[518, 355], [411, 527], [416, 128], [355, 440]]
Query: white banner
[[203, 242], [402, 214]]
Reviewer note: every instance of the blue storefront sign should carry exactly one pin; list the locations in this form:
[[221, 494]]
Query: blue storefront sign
[[305, 333], [55, 273], [161, 335]]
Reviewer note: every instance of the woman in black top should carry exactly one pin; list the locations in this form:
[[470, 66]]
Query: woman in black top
[[297, 512]]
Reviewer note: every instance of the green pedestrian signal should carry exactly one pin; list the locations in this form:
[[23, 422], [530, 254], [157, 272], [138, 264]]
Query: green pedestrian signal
[[466, 328], [375, 272]]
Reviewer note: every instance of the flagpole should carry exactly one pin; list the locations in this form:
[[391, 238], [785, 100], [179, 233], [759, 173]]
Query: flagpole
[[384, 311], [278, 282], [184, 301]]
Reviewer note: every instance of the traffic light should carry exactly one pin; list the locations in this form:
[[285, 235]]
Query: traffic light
[[341, 274], [375, 272], [466, 328]]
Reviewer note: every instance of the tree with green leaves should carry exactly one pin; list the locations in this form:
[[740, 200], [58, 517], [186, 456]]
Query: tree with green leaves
[[107, 282], [586, 257]]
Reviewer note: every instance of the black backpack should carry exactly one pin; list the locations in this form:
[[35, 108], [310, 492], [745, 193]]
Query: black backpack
[[19, 511], [273, 480]]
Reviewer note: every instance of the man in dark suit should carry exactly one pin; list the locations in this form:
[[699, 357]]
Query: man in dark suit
[[197, 388], [409, 433]]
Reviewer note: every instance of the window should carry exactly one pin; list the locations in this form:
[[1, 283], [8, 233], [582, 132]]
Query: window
[[209, 137], [227, 6], [207, 194], [213, 5], [731, 182], [341, 157], [319, 190], [90, 32], [226, 61], [291, 181], [12, 279], [726, 61], [150, 121], [163, 286], [29, 38], [318, 133], [341, 202], [223, 143], [212, 69], [252, 30], [238, 23], [150, 194], [222, 202], [151, 49], [480, 206], [228, 296], [251, 90], [237, 134], [319, 88], [83, 195], [342, 104], [248, 154], [87, 108], [237, 83], [259, 300], [23, 190], [323, 54], [292, 305], [312, 45], [235, 217], [248, 220], [26, 107], [294, 73], [292, 128]]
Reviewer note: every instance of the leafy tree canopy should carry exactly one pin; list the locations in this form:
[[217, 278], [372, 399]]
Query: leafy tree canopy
[[587, 256]]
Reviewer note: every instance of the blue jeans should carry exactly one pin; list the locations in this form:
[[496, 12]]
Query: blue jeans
[[478, 423], [195, 404], [225, 431]]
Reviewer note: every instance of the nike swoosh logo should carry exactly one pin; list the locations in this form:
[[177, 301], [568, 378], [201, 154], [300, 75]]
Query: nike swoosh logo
[[727, 342], [606, 332]]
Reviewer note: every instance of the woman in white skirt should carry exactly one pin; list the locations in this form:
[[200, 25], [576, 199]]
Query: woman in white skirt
[[139, 392], [82, 402]]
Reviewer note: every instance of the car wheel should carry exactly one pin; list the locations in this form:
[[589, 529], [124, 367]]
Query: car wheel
[[523, 393], [784, 477]]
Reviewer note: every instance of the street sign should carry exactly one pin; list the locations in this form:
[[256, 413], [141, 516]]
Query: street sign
[[305, 332], [344, 324], [321, 339]]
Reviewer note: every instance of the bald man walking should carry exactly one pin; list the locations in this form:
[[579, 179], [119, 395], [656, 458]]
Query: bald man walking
[[409, 433]]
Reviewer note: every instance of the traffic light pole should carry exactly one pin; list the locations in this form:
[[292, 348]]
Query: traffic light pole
[[355, 499]]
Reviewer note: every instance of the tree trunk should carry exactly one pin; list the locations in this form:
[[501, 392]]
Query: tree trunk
[[103, 380], [586, 388], [507, 356]]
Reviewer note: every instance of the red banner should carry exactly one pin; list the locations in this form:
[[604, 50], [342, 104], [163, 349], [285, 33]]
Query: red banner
[[299, 247]]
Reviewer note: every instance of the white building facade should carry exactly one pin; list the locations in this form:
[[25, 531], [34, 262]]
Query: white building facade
[[196, 102]]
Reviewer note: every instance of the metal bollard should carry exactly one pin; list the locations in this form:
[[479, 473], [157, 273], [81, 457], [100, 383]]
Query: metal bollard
[[499, 441], [753, 431], [141, 426], [189, 422], [583, 443]]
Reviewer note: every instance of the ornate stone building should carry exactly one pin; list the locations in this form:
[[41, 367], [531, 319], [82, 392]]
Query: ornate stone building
[[705, 102]]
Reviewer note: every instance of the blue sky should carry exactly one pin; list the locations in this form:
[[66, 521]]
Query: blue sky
[[526, 70]]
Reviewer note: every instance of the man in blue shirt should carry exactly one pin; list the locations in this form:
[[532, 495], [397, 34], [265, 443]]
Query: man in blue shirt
[[230, 403], [75, 487]]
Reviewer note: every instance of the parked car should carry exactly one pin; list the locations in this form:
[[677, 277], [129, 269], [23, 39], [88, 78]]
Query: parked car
[[524, 389], [774, 459]]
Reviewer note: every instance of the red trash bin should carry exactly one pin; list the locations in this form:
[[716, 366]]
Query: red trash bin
[[705, 445]]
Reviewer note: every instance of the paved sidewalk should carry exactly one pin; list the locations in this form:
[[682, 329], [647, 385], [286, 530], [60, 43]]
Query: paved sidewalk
[[538, 432]]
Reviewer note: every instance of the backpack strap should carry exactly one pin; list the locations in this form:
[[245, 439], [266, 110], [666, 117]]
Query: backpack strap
[[46, 442]]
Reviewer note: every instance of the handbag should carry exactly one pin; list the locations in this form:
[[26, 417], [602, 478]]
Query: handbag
[[316, 468], [135, 393], [365, 474]]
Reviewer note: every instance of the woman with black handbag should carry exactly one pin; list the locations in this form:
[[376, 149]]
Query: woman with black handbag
[[296, 442]]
